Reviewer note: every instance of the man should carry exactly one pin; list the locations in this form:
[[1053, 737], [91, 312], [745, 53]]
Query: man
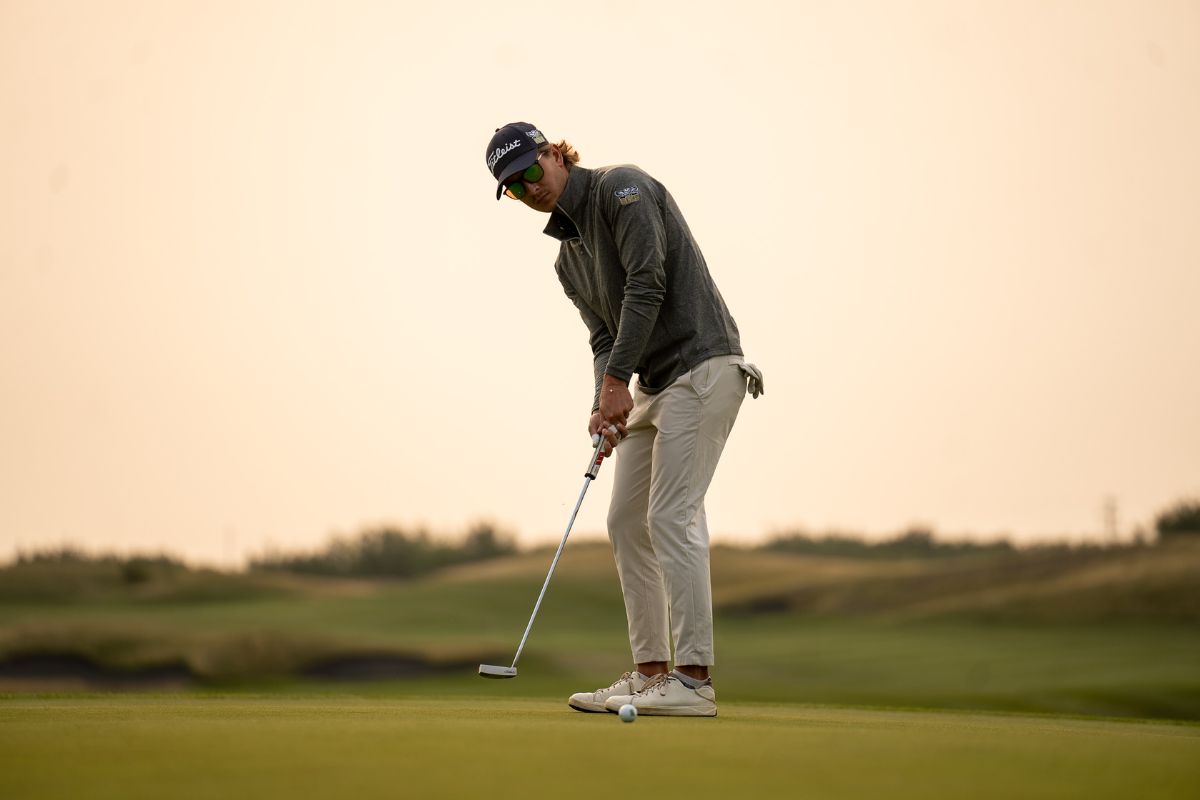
[[630, 265]]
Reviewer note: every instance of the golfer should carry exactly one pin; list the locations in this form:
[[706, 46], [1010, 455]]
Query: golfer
[[630, 265]]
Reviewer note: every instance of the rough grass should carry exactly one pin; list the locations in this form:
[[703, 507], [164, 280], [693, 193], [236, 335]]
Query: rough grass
[[337, 747]]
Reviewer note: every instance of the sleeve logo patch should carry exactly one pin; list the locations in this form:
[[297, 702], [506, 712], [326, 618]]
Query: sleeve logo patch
[[627, 195]]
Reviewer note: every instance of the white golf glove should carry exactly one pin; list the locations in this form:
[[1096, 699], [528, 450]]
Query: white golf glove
[[754, 379]]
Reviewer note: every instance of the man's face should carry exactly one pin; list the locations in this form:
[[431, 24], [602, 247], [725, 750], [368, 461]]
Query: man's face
[[543, 195]]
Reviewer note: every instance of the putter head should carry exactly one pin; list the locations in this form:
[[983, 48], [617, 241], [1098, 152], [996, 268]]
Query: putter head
[[489, 671]]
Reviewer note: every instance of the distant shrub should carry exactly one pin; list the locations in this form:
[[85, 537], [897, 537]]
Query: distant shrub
[[913, 543], [1181, 519], [136, 570], [390, 552], [64, 554], [483, 541], [131, 564]]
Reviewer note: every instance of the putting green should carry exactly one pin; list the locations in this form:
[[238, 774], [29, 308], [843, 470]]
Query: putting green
[[155, 746]]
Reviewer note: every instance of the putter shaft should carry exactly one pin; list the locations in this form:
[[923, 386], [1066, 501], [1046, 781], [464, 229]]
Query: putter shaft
[[589, 476]]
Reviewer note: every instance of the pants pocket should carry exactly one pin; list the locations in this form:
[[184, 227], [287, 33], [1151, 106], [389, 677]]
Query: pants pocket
[[701, 377]]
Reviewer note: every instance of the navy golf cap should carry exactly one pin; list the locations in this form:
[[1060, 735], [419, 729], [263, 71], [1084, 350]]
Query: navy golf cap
[[513, 150]]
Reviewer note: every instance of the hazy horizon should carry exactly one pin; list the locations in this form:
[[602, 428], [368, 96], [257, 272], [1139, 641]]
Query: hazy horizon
[[255, 288]]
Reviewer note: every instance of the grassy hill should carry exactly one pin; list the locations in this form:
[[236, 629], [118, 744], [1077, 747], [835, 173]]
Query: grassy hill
[[1047, 584], [1098, 631]]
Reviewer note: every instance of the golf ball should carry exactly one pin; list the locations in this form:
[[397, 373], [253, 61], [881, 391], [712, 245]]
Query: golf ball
[[627, 713]]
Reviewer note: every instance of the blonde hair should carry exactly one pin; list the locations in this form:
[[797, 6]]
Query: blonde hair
[[569, 153]]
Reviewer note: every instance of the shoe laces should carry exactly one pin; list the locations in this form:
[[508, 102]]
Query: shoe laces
[[626, 677], [657, 683]]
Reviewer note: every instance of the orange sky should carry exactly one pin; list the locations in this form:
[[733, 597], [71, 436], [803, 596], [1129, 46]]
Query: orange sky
[[254, 288]]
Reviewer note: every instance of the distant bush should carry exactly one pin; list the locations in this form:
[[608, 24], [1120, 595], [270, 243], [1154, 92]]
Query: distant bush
[[1181, 519], [913, 543], [68, 572], [65, 554], [390, 552], [70, 554], [137, 570], [484, 542]]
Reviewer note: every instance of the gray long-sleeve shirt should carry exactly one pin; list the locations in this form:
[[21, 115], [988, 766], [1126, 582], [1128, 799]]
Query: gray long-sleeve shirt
[[630, 265]]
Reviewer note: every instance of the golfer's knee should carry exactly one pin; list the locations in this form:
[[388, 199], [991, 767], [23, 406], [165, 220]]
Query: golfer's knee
[[669, 523], [625, 524]]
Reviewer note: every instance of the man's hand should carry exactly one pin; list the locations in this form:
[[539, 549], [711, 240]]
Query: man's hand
[[597, 425], [615, 402]]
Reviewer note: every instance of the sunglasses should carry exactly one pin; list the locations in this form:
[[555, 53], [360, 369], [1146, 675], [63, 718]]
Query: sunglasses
[[532, 174]]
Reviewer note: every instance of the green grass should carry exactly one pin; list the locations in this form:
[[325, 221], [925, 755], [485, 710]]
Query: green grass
[[493, 746]]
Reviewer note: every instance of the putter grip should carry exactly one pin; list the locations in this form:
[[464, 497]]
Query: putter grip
[[597, 454]]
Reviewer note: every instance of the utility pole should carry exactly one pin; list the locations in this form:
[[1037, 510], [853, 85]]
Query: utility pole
[[1111, 518]]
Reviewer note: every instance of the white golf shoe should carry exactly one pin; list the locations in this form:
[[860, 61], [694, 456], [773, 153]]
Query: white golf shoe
[[667, 696], [623, 686]]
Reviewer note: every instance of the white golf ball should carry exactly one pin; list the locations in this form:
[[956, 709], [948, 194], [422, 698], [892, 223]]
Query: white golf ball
[[627, 713]]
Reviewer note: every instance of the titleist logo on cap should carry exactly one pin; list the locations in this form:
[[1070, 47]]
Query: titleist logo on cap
[[512, 149], [499, 153]]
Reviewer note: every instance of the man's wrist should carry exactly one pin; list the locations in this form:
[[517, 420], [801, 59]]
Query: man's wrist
[[611, 383]]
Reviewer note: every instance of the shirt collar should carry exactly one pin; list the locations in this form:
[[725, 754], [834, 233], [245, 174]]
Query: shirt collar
[[571, 203]]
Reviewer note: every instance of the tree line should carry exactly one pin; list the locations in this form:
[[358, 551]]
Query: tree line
[[390, 552], [393, 552]]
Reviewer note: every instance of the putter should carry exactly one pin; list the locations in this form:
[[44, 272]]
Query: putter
[[493, 671]]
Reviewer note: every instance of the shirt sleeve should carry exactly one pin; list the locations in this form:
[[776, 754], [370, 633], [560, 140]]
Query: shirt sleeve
[[599, 338], [631, 205]]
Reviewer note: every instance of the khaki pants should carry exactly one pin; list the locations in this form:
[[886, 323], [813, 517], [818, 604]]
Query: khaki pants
[[656, 519]]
